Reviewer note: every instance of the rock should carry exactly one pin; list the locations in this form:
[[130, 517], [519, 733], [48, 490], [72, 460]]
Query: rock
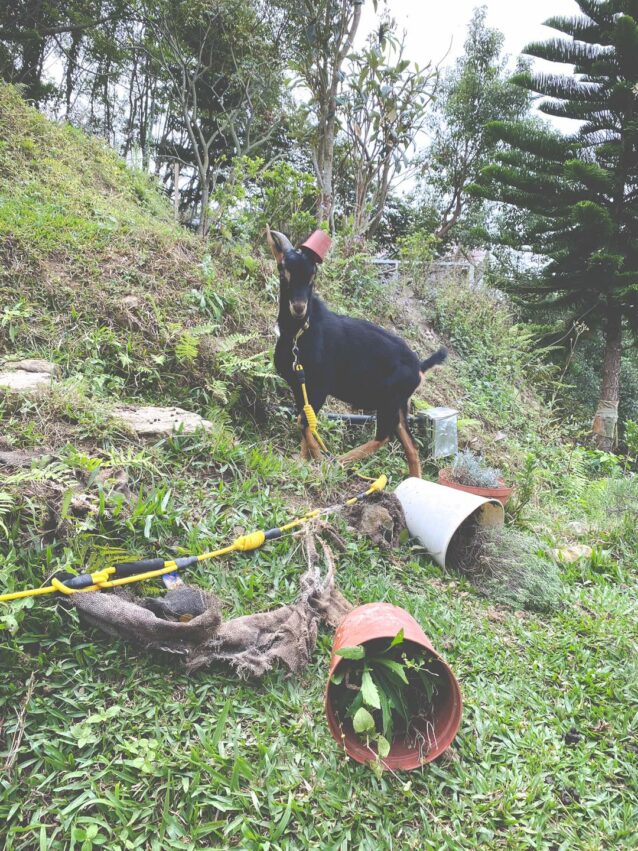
[[31, 365], [380, 517], [578, 528], [377, 523], [569, 555], [26, 376], [155, 422], [20, 457], [131, 302], [114, 479], [24, 382]]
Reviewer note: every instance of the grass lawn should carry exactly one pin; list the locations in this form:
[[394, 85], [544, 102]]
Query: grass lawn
[[123, 750]]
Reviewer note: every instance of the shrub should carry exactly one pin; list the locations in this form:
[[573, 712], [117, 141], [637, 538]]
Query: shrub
[[468, 469]]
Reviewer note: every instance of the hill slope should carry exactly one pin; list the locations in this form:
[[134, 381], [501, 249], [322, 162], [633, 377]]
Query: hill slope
[[106, 746]]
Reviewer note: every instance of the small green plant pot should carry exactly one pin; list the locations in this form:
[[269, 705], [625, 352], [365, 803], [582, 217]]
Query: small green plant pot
[[373, 627], [502, 493]]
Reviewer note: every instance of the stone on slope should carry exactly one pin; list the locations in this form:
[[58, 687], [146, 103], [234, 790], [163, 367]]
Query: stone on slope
[[150, 421], [26, 376]]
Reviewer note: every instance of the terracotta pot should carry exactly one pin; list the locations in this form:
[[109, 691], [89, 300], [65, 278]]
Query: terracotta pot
[[502, 493], [319, 244], [381, 621]]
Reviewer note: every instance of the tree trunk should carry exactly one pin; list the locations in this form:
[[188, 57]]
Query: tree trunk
[[176, 190], [606, 420], [203, 222], [326, 165], [32, 51], [71, 70], [326, 95]]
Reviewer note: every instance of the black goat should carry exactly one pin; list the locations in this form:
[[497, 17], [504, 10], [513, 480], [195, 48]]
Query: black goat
[[351, 359]]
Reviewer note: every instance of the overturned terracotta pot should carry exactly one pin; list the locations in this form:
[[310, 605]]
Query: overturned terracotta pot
[[379, 622]]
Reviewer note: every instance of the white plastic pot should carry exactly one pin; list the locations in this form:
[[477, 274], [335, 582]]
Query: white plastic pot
[[433, 513]]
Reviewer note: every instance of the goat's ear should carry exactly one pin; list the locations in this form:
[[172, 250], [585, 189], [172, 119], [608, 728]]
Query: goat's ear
[[279, 243]]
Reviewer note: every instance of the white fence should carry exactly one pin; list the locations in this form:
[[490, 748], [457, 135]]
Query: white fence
[[388, 270]]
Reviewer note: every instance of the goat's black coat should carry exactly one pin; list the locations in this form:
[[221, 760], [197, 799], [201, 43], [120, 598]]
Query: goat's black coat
[[351, 359]]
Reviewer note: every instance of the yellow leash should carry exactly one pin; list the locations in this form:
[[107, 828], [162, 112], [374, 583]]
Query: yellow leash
[[309, 411], [128, 572]]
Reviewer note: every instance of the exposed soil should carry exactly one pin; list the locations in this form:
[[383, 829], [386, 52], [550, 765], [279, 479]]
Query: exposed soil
[[380, 517]]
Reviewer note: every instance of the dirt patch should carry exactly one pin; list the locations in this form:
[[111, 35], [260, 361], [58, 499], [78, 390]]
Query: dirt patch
[[380, 517]]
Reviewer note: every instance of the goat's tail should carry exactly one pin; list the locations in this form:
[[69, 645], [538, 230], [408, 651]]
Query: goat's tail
[[434, 360]]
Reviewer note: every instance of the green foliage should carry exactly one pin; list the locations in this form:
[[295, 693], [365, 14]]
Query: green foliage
[[578, 188], [350, 283], [209, 760], [469, 469], [611, 505], [416, 250], [630, 438], [187, 347], [257, 194], [385, 107], [498, 355], [385, 693]]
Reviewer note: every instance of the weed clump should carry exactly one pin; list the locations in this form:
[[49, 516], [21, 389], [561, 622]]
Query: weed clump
[[506, 565]]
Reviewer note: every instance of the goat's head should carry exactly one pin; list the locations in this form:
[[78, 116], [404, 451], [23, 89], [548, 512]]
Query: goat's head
[[297, 271]]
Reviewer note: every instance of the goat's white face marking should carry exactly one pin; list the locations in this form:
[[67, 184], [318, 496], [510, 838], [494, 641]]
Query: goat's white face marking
[[295, 313], [287, 275]]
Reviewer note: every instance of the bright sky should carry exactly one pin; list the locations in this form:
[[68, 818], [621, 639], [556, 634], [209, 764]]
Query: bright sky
[[437, 29], [432, 25]]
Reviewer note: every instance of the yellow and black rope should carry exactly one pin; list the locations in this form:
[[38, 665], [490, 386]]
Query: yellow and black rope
[[139, 571]]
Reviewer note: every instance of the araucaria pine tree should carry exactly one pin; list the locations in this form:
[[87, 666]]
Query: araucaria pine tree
[[580, 193]]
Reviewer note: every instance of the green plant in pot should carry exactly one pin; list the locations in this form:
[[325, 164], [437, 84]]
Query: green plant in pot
[[470, 473], [386, 691]]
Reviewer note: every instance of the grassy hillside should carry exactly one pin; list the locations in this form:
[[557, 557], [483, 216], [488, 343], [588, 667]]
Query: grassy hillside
[[103, 746]]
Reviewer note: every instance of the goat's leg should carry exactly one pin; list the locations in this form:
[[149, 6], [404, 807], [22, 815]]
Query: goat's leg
[[309, 446], [311, 442], [316, 397], [411, 452], [305, 452], [387, 419], [363, 451]]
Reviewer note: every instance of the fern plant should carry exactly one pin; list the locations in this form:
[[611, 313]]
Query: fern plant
[[7, 503], [14, 489], [187, 347]]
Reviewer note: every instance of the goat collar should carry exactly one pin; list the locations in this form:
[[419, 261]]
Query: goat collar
[[301, 331]]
